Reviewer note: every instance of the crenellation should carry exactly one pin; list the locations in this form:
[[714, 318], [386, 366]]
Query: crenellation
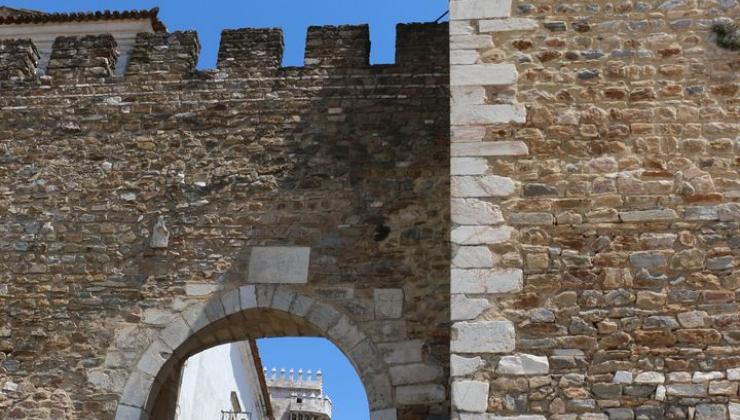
[[422, 45], [88, 58], [18, 59], [250, 51], [346, 46], [166, 56]]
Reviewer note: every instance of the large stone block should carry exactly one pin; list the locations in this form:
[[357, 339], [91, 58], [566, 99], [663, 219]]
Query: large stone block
[[420, 394], [488, 114], [388, 303], [488, 74], [481, 235], [468, 166], [470, 396], [276, 264], [507, 25], [474, 257], [482, 186], [490, 148], [483, 337], [416, 373], [479, 9], [478, 281], [472, 211], [462, 366], [463, 308]]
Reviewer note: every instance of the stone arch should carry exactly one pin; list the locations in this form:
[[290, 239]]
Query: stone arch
[[252, 311]]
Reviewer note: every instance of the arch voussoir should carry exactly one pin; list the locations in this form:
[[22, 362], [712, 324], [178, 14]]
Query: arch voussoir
[[250, 311]]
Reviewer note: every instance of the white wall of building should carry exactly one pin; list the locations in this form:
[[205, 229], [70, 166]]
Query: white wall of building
[[211, 376]]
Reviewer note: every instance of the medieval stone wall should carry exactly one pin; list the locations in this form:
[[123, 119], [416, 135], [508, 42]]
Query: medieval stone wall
[[595, 209], [151, 216]]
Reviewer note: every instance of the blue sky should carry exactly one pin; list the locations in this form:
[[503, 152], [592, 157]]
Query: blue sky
[[341, 382], [294, 16]]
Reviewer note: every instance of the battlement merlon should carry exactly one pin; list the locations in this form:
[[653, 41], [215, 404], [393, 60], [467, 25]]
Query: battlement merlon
[[18, 59], [298, 380], [420, 47]]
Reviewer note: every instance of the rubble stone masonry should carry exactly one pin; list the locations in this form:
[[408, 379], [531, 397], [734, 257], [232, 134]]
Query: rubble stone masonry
[[542, 224], [595, 202], [145, 218]]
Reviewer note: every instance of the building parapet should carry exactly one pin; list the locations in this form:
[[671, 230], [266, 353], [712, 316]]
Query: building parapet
[[242, 53]]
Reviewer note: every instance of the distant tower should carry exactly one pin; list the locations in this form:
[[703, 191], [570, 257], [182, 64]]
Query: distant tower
[[298, 395]]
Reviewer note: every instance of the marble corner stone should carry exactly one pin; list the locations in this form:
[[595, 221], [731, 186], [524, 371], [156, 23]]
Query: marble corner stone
[[488, 114], [507, 25], [488, 74], [490, 148], [481, 235], [471, 396], [479, 281], [472, 211], [468, 165], [479, 9], [483, 337], [463, 308], [482, 186], [474, 257], [275, 264], [462, 366]]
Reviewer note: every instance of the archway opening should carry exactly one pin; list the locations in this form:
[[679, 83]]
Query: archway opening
[[242, 316]]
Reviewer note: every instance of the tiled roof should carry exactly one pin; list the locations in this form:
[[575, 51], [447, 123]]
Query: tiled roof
[[16, 16]]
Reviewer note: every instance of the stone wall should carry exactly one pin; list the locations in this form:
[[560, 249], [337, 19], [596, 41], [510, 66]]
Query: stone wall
[[146, 218], [595, 210]]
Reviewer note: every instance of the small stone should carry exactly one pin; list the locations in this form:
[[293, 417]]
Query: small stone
[[700, 377], [727, 388], [648, 259], [693, 319], [620, 414], [539, 190], [710, 412], [648, 215], [607, 391], [686, 390], [649, 412], [523, 364], [622, 377], [556, 26], [588, 74], [650, 378], [541, 315], [531, 219], [734, 409], [721, 263]]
